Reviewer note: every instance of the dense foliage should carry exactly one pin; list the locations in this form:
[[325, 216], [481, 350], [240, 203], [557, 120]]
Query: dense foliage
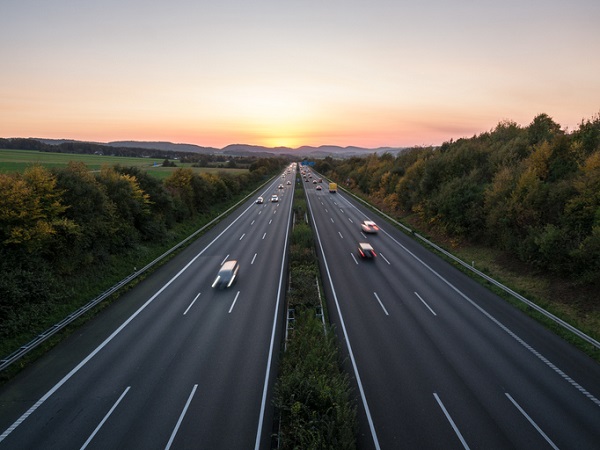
[[62, 224], [531, 191]]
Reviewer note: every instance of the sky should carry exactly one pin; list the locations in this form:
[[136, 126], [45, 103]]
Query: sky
[[369, 73]]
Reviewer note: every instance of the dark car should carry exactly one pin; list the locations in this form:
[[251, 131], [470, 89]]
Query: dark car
[[227, 274], [366, 251]]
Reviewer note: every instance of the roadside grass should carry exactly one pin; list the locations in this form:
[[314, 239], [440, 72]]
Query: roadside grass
[[312, 394], [575, 304]]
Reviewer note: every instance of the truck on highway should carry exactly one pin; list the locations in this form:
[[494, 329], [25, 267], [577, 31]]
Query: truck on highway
[[333, 188]]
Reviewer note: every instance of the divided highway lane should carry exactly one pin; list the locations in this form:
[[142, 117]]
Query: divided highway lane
[[440, 361], [174, 363]]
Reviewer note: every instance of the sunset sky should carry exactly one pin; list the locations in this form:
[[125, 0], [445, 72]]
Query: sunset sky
[[369, 73]]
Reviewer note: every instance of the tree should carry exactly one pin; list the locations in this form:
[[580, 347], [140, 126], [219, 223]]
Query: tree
[[131, 202], [542, 128], [31, 209]]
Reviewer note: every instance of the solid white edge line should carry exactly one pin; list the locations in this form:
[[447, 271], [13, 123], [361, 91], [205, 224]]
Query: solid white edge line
[[350, 352], [428, 307], [263, 404], [454, 427], [76, 369], [532, 422], [191, 304], [86, 443], [234, 300], [185, 408], [542, 358], [528, 347], [379, 300]]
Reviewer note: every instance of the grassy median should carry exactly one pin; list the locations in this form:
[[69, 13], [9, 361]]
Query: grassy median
[[313, 393]]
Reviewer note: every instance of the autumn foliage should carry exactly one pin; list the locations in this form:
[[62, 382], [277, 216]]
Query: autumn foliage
[[531, 191], [66, 223]]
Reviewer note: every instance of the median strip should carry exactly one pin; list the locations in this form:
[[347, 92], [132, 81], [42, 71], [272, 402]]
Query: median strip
[[313, 394]]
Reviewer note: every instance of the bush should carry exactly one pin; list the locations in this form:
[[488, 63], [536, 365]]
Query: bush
[[312, 394]]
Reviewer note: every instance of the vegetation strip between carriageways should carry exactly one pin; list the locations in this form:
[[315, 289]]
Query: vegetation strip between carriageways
[[506, 289], [23, 350], [313, 396]]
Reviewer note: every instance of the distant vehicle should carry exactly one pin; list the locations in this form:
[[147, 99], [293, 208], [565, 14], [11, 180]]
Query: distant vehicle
[[314, 181], [366, 251], [320, 180], [318, 187], [280, 186], [368, 226], [260, 200], [289, 182], [227, 274], [333, 188], [274, 198]]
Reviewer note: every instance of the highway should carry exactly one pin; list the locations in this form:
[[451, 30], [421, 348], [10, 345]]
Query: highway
[[438, 360], [173, 363]]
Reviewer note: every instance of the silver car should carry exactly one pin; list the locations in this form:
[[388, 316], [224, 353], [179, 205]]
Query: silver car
[[227, 274]]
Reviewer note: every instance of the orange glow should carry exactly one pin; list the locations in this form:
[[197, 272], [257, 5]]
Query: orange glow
[[284, 74]]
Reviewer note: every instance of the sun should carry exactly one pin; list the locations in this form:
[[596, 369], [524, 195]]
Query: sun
[[282, 141]]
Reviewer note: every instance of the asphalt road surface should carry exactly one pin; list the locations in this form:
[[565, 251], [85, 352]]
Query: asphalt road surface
[[173, 363], [440, 362]]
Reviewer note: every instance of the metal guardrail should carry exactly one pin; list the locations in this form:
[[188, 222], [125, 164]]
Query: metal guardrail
[[23, 350], [549, 315]]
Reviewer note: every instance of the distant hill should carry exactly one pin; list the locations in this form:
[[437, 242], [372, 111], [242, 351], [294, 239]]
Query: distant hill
[[161, 145], [305, 151]]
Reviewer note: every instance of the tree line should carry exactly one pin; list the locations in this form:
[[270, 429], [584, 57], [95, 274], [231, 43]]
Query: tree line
[[58, 224], [531, 191]]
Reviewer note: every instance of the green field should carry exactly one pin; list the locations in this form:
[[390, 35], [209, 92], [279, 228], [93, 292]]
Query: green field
[[19, 160]]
